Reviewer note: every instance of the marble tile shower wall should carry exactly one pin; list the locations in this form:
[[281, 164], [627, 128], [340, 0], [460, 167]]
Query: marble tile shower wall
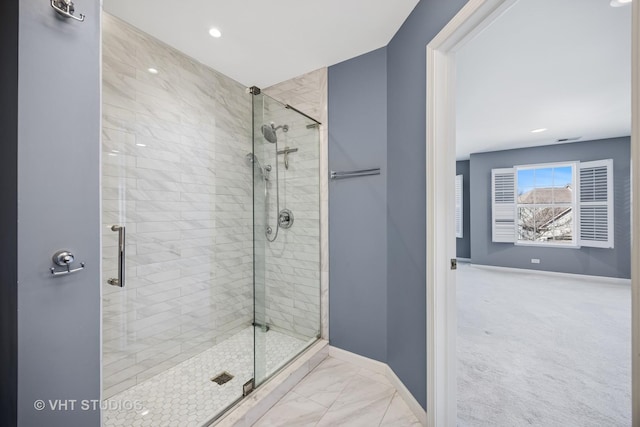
[[293, 270], [174, 173]]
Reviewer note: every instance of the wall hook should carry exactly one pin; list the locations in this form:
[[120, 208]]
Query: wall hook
[[66, 9], [64, 258]]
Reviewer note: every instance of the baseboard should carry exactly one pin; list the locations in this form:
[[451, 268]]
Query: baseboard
[[406, 395], [601, 279], [383, 368]]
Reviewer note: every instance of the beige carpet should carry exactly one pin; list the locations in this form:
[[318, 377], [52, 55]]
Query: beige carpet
[[538, 350]]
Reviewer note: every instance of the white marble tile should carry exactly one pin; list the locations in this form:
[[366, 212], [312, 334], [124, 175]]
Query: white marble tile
[[376, 376], [363, 402], [292, 410], [352, 395], [399, 415], [302, 244], [169, 385], [170, 133], [180, 182], [325, 383]]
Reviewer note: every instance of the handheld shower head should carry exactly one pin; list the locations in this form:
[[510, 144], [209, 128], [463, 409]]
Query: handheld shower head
[[252, 160]]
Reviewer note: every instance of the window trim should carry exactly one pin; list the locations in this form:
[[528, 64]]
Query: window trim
[[575, 242]]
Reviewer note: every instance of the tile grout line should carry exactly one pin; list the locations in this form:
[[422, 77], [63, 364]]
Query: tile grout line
[[336, 399], [393, 396]]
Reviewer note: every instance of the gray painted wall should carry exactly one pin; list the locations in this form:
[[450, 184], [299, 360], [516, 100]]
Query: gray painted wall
[[9, 212], [59, 201], [358, 206], [463, 245], [356, 112], [593, 261], [406, 189]]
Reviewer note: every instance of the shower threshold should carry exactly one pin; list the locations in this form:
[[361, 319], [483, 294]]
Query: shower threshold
[[185, 394]]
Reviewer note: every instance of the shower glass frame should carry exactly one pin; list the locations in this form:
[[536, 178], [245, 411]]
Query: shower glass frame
[[286, 290], [274, 261]]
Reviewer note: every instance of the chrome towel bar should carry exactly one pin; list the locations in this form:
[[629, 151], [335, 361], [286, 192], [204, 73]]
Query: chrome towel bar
[[354, 174]]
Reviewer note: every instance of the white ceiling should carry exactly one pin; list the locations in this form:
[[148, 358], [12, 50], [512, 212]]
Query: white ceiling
[[561, 65], [267, 42]]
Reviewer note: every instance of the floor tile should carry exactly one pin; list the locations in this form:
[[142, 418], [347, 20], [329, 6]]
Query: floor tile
[[185, 395], [376, 376], [363, 402], [399, 415], [293, 410], [325, 383]]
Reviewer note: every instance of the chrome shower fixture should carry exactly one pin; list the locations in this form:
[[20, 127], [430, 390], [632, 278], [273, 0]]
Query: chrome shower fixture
[[286, 153], [252, 159], [269, 131]]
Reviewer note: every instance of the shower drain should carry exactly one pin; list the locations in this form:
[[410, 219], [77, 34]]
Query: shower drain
[[222, 378]]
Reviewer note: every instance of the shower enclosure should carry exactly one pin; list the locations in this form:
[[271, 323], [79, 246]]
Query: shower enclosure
[[211, 254]]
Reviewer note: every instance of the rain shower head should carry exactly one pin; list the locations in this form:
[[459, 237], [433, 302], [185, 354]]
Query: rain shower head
[[269, 132]]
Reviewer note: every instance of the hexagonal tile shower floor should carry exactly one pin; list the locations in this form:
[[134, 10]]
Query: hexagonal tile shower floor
[[185, 395]]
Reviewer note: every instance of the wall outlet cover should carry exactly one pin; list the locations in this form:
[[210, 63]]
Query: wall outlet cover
[[535, 261]]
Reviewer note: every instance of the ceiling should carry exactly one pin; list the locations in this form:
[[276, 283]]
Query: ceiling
[[560, 65], [267, 42]]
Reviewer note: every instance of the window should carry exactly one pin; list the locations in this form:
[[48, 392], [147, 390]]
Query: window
[[545, 204], [459, 207], [563, 204]]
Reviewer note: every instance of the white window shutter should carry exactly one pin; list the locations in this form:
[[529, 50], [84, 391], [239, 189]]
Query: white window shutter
[[596, 204], [459, 207], [503, 207]]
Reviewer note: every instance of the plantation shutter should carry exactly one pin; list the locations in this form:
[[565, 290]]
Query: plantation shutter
[[503, 207], [459, 211], [596, 204]]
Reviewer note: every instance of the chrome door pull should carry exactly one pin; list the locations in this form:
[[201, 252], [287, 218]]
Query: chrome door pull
[[121, 246]]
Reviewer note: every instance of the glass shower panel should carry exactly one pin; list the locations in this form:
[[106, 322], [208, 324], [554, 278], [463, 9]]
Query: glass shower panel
[[179, 333], [286, 234]]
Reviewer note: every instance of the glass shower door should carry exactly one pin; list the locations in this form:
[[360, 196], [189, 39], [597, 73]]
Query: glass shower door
[[286, 202], [177, 334]]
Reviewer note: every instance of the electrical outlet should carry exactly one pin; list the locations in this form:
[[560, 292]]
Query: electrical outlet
[[535, 261]]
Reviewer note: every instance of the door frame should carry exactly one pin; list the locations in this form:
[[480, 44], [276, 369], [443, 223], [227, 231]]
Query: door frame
[[475, 16]]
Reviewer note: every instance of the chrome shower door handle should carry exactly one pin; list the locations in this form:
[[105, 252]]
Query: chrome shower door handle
[[121, 246]]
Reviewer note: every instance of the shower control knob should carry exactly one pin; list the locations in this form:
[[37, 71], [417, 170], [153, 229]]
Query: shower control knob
[[285, 219]]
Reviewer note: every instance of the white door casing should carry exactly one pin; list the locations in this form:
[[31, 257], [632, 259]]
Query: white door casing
[[440, 231]]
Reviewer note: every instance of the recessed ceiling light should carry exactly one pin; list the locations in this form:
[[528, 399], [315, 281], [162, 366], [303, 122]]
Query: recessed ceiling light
[[538, 130], [214, 32], [141, 145], [113, 154], [618, 3], [152, 70], [115, 151]]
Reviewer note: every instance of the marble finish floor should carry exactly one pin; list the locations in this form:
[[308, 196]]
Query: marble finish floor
[[542, 350], [338, 393], [185, 395]]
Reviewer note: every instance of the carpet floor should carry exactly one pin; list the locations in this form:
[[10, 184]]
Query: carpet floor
[[541, 350]]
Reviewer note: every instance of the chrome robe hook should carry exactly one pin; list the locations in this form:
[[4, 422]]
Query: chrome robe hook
[[66, 9]]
